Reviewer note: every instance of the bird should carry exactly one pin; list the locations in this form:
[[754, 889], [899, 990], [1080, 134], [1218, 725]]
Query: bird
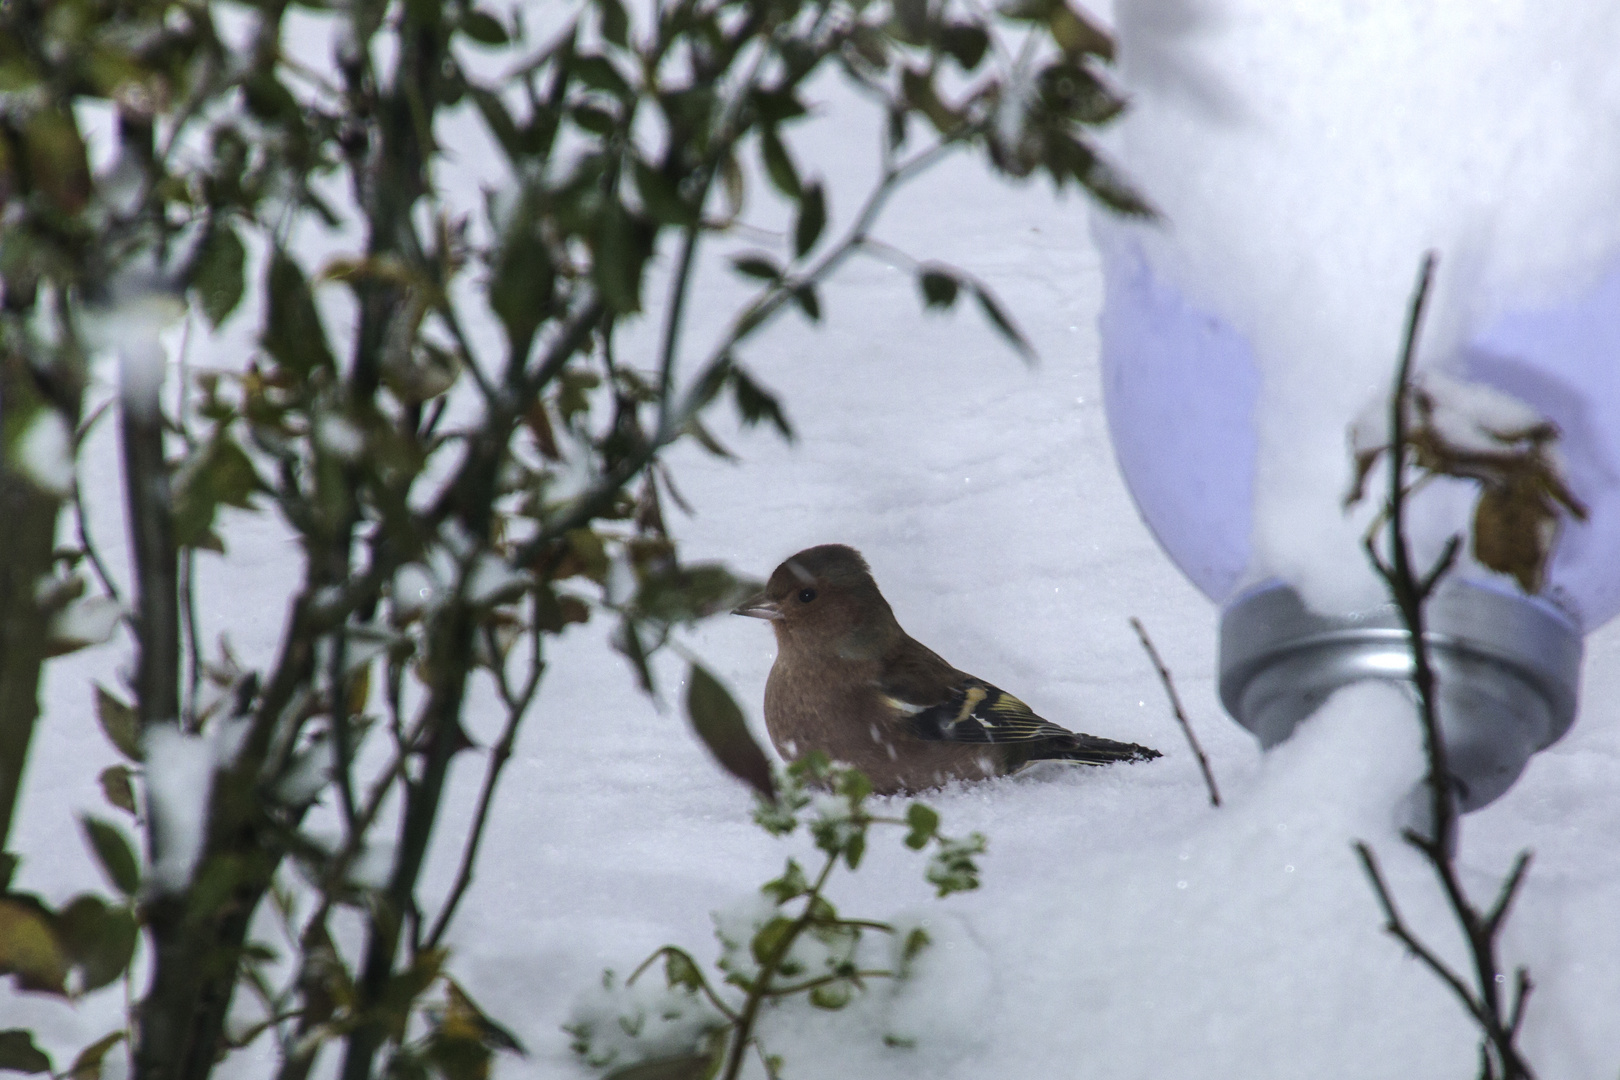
[[849, 682]]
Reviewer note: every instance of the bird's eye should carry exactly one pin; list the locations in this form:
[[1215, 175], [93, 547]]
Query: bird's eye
[[806, 595]]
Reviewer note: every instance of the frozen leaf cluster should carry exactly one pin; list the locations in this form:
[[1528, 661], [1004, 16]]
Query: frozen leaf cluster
[[1468, 431], [624, 1024]]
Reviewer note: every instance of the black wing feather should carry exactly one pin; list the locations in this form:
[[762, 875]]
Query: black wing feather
[[977, 712]]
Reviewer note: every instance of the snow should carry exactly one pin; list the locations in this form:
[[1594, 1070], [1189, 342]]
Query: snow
[[89, 620], [44, 452], [340, 437], [179, 773], [1307, 153], [133, 327], [1125, 928]]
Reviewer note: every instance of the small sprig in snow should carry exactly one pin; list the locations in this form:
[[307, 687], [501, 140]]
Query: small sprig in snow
[[785, 943]]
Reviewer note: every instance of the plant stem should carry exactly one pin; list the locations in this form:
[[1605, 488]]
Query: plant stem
[[498, 756], [1175, 706], [1411, 593], [761, 990]]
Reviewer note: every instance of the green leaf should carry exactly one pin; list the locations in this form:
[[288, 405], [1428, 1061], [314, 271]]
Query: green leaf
[[219, 473], [87, 1066], [757, 266], [774, 106], [19, 1054], [599, 73], [464, 1017], [117, 858], [952, 868], [483, 28], [1076, 34], [812, 219], [918, 92], [779, 816], [615, 23], [690, 592], [681, 970], [1115, 192], [119, 724], [498, 120], [520, 287], [29, 950], [594, 120], [778, 165], [854, 848], [924, 822], [916, 942], [706, 439], [217, 275], [1070, 89], [117, 789], [965, 43], [58, 164], [805, 296], [1004, 326], [832, 996], [100, 940], [293, 333], [661, 197], [792, 884], [770, 939], [620, 254], [756, 404], [939, 287], [719, 723], [852, 784]]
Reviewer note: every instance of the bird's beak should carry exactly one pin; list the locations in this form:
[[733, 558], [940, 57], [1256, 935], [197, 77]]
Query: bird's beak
[[759, 606]]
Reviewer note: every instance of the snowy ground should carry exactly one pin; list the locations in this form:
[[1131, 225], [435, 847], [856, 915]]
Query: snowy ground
[[1125, 928]]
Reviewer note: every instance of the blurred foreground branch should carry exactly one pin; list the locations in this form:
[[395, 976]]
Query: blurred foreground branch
[[440, 416]]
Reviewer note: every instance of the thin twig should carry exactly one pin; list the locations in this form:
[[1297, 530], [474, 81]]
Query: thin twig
[[517, 706], [1403, 580], [188, 614], [1398, 929], [1175, 706], [703, 984], [1510, 889], [825, 980], [89, 548], [1521, 995]]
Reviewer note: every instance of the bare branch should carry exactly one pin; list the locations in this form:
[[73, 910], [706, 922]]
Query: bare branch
[[1175, 706], [516, 708], [1442, 567], [1397, 928], [1505, 898], [1521, 996]]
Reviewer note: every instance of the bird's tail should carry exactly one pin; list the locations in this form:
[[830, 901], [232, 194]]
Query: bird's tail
[[1092, 750]]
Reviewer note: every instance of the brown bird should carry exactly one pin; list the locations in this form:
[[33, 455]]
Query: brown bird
[[848, 681]]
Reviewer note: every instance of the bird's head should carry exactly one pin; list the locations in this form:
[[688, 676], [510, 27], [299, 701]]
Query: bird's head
[[824, 599]]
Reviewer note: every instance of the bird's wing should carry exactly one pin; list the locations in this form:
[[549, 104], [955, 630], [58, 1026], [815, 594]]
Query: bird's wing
[[975, 712]]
